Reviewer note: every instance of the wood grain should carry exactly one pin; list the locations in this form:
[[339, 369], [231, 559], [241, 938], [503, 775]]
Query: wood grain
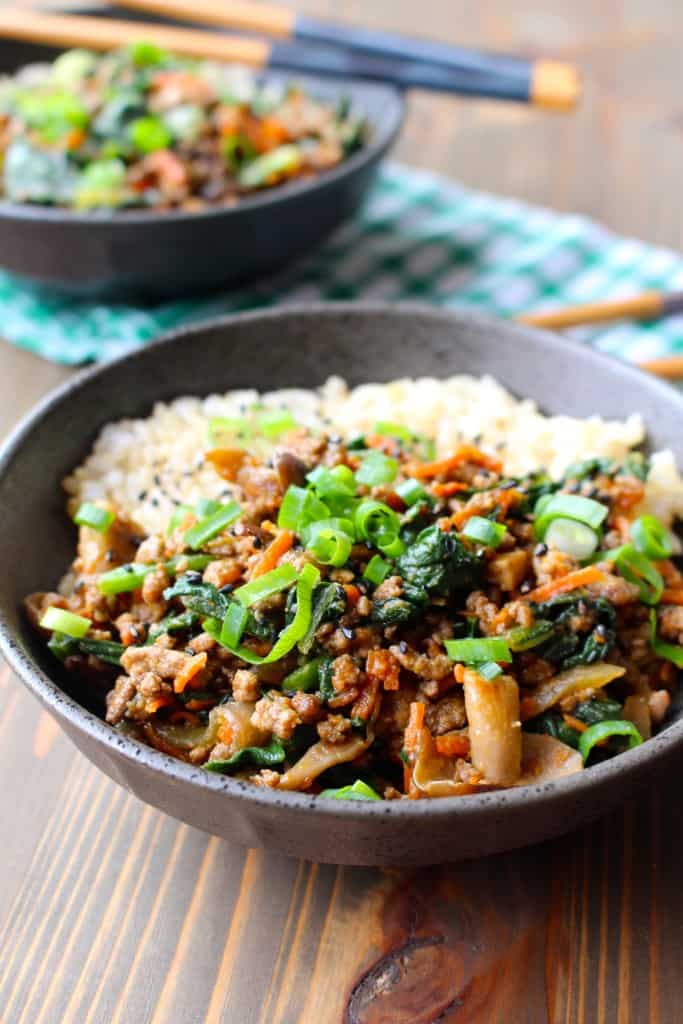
[[112, 912]]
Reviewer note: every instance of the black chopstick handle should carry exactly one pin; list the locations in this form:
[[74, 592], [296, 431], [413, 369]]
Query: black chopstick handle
[[510, 81]]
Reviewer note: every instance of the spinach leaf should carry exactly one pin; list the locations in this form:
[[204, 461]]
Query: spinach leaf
[[63, 647], [33, 175], [588, 468], [325, 689], [393, 611], [329, 603], [171, 624], [414, 521], [592, 711], [437, 564], [259, 757], [582, 629], [201, 598], [553, 724], [635, 464]]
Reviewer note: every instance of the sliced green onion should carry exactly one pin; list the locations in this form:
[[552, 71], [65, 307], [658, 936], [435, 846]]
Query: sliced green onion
[[290, 636], [206, 507], [394, 430], [105, 650], [376, 468], [222, 428], [638, 569], [374, 519], [233, 624], [489, 670], [476, 651], [358, 791], [333, 483], [670, 652], [148, 134], [485, 531], [525, 639], [212, 525], [99, 519], [65, 622], [171, 624], [572, 537], [330, 540], [178, 517], [266, 585], [270, 166], [275, 422], [305, 677], [131, 576], [299, 508], [567, 506], [377, 570], [652, 538], [604, 731], [411, 492], [390, 545]]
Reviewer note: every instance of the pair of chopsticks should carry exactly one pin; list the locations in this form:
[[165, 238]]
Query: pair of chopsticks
[[337, 49], [647, 306]]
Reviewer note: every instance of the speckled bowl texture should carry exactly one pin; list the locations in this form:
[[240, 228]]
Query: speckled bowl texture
[[140, 255], [301, 347]]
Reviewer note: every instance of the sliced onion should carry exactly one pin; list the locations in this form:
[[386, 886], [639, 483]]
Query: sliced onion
[[545, 758], [492, 708], [566, 684], [319, 758], [574, 538]]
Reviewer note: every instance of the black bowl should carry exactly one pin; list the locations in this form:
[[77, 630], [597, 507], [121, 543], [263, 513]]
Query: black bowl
[[143, 255], [283, 349]]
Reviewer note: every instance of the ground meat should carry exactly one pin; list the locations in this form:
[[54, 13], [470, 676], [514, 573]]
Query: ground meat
[[446, 714], [615, 589], [275, 713], [671, 623], [345, 673], [154, 584], [117, 699], [307, 706], [130, 630], [305, 447], [202, 642], [266, 777], [552, 564], [392, 586], [245, 685], [335, 729], [658, 703], [422, 665], [151, 550], [222, 571], [485, 610], [167, 664]]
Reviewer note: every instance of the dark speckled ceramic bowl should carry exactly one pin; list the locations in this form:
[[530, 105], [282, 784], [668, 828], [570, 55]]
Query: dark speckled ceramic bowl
[[288, 348], [143, 255]]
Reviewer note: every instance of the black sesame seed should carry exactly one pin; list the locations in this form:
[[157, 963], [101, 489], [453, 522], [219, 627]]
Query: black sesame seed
[[157, 480], [601, 631], [506, 485], [582, 607], [541, 549], [142, 495], [525, 587], [348, 632], [227, 588], [193, 576], [154, 502], [403, 647], [257, 542]]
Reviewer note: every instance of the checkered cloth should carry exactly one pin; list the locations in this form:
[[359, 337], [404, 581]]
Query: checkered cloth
[[418, 237]]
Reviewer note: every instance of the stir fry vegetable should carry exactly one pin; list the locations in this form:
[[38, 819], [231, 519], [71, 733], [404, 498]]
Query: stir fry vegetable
[[364, 621], [142, 127]]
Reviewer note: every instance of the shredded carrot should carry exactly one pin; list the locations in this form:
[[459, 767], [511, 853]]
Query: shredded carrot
[[459, 673], [199, 705], [156, 703], [504, 499], [226, 461], [415, 724], [672, 595], [671, 574], [575, 723], [384, 666], [449, 489], [193, 667], [572, 581], [452, 745], [225, 733], [463, 454], [352, 593], [273, 553]]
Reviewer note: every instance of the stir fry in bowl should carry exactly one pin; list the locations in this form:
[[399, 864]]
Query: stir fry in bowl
[[368, 618], [140, 127]]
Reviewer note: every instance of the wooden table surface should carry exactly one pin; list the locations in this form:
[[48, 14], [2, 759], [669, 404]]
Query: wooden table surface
[[113, 912]]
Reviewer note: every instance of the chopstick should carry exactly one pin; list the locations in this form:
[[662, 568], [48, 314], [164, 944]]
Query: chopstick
[[652, 305], [550, 84]]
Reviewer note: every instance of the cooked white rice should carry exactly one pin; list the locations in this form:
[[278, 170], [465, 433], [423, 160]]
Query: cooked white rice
[[148, 466]]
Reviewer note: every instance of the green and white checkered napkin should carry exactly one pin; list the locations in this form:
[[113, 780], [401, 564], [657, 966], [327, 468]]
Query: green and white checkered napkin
[[418, 237]]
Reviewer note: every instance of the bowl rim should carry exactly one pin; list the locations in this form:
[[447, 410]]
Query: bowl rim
[[386, 129], [134, 752]]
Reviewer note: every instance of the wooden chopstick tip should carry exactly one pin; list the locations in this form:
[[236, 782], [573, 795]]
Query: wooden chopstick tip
[[555, 85]]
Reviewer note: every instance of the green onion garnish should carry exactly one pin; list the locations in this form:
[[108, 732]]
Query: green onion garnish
[[376, 468], [290, 635], [523, 638], [233, 624], [148, 134], [65, 622], [393, 430], [269, 166], [485, 531], [99, 519], [212, 525], [206, 507], [476, 651], [488, 669], [604, 731], [132, 576], [358, 791], [638, 569], [567, 506], [275, 422], [574, 538], [266, 585], [670, 652], [379, 524], [178, 516], [330, 540], [411, 492], [305, 677], [652, 538], [299, 508], [377, 570]]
